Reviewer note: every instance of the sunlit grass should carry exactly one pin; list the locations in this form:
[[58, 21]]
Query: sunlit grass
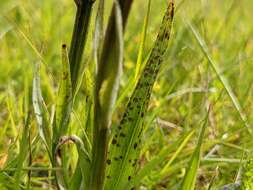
[[34, 31]]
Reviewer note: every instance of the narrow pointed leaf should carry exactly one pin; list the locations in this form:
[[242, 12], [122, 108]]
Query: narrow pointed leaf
[[191, 173], [143, 39], [40, 110], [64, 99], [161, 156], [125, 144]]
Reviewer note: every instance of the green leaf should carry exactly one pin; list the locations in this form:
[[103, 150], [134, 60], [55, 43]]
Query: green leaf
[[192, 170], [24, 149], [106, 89], [99, 32], [143, 39], [109, 68], [22, 155], [125, 143], [64, 99], [84, 159], [40, 110]]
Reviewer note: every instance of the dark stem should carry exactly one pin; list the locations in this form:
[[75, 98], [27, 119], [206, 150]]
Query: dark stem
[[78, 41], [79, 37], [125, 6]]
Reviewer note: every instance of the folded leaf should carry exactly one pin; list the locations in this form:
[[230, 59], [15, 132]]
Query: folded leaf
[[40, 110], [64, 99]]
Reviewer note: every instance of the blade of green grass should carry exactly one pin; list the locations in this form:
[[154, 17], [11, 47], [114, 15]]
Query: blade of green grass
[[192, 170], [84, 159], [221, 77], [24, 151], [22, 155], [125, 144], [63, 105], [64, 99], [161, 156], [133, 78], [40, 111], [142, 44]]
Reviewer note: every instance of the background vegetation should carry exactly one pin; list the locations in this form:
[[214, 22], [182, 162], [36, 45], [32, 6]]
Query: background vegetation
[[187, 86]]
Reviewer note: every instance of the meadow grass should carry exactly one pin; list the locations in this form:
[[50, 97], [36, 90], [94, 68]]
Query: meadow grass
[[196, 133]]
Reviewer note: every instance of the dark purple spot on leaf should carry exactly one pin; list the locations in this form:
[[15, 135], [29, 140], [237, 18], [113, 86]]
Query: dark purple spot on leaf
[[108, 162], [114, 141]]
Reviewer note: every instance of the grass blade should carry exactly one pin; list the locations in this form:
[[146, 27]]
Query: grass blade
[[125, 144], [23, 152], [143, 39], [221, 77], [159, 159], [64, 99], [84, 159], [40, 110], [191, 173]]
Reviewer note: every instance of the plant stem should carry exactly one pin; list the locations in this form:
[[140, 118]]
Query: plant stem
[[102, 122], [125, 6], [79, 37]]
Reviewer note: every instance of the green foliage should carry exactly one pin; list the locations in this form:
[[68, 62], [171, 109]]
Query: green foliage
[[247, 177], [126, 141], [106, 88], [107, 114], [190, 177], [177, 146], [40, 110], [64, 99]]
